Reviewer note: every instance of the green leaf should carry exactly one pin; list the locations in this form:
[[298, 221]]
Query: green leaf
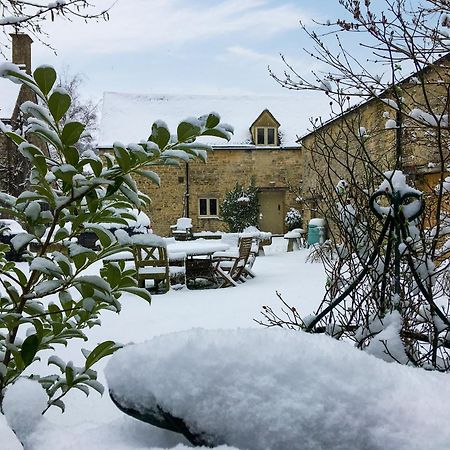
[[140, 292], [113, 274], [62, 233], [71, 154], [105, 236], [213, 120], [55, 312], [69, 374], [15, 137], [152, 176], [187, 130], [29, 348], [57, 327], [65, 298], [96, 166], [41, 164], [73, 334], [104, 349], [83, 388], [122, 156], [217, 133], [60, 404], [160, 134], [94, 384], [30, 151], [58, 104], [39, 328], [57, 361], [48, 136], [23, 280], [45, 77], [71, 132], [20, 365]]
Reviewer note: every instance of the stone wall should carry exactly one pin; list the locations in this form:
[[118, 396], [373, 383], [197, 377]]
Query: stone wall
[[270, 169], [335, 147]]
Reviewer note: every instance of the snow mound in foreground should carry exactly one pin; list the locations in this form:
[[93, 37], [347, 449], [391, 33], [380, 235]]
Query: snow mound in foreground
[[271, 389], [24, 404]]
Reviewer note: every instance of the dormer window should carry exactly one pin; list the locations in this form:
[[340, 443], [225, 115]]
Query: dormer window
[[265, 136], [264, 130]]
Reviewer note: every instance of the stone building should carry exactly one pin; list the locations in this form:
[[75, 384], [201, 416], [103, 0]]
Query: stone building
[[14, 168], [263, 149], [417, 140]]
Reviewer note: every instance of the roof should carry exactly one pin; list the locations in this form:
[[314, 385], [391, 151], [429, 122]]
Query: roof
[[379, 97], [128, 117], [9, 92]]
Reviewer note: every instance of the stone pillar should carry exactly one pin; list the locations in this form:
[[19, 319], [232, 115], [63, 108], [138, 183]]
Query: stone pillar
[[21, 51]]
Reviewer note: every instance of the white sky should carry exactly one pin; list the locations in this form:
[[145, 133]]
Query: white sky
[[190, 47]]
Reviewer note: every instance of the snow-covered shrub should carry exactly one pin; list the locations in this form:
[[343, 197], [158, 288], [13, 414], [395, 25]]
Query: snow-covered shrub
[[240, 208], [51, 299], [293, 219]]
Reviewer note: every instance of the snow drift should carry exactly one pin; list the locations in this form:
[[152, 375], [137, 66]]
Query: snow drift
[[270, 389]]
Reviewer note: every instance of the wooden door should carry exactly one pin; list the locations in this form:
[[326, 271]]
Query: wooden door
[[272, 211]]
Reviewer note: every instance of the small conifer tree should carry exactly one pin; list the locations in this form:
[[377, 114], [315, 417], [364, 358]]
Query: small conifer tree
[[240, 208]]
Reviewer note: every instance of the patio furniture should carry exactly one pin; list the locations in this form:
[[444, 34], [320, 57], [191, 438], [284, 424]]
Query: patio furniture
[[177, 268], [197, 258], [265, 240], [254, 252], [231, 266], [88, 239], [296, 239], [182, 230], [152, 264], [198, 267]]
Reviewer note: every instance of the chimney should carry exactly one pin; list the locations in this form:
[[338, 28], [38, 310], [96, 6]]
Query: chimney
[[21, 51]]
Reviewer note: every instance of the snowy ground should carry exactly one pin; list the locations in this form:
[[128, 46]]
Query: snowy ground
[[253, 388], [94, 423]]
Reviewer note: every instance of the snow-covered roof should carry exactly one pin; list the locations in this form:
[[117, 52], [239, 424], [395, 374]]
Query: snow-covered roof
[[128, 117], [9, 92]]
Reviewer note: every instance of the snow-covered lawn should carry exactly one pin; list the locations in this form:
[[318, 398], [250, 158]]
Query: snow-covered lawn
[[95, 423], [253, 388]]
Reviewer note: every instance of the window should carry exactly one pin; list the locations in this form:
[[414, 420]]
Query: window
[[260, 136], [208, 207], [266, 136], [271, 136]]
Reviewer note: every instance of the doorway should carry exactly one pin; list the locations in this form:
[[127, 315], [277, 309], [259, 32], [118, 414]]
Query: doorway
[[271, 211]]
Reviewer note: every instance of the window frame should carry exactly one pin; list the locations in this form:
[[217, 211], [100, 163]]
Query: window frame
[[266, 136], [208, 207]]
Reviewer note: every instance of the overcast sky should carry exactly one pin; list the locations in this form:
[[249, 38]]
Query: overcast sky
[[188, 46]]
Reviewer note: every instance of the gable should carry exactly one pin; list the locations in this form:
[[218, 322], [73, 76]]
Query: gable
[[265, 119]]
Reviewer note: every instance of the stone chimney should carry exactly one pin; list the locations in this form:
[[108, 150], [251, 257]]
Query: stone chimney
[[21, 51]]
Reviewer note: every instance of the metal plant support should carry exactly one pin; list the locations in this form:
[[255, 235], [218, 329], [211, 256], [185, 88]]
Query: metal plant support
[[395, 230]]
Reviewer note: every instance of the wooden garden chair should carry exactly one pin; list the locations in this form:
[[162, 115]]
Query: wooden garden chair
[[254, 251], [152, 264], [231, 267], [182, 230]]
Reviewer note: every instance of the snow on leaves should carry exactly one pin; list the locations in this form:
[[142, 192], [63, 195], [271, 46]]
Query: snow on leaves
[[71, 194]]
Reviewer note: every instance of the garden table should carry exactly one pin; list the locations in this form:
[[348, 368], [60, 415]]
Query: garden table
[[198, 253]]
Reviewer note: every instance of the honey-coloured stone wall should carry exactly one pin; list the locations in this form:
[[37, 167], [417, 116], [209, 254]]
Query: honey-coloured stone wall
[[269, 168]]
